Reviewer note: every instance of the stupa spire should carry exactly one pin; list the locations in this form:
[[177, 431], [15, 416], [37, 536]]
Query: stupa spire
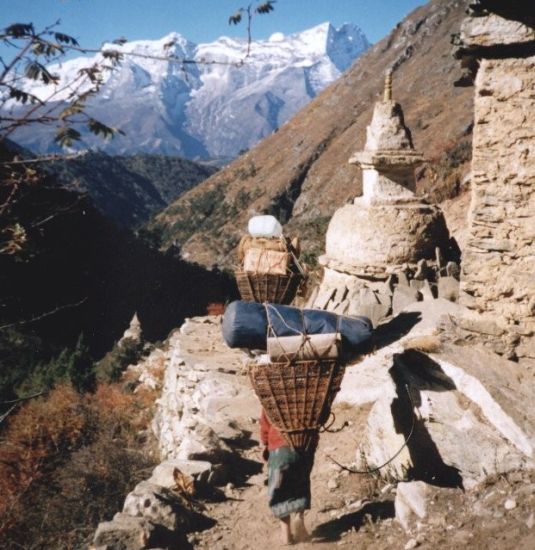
[[387, 94]]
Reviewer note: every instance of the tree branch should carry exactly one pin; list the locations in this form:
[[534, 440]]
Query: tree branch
[[43, 315]]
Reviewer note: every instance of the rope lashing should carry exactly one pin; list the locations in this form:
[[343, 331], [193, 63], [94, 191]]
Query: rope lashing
[[373, 470]]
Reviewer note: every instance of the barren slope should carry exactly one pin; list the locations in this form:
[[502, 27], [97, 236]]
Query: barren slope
[[301, 175]]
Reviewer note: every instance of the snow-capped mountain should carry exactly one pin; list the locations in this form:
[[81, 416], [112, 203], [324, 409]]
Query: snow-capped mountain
[[216, 107]]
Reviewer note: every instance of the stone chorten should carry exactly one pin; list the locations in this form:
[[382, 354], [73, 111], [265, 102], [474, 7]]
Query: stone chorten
[[133, 332], [388, 225], [386, 231]]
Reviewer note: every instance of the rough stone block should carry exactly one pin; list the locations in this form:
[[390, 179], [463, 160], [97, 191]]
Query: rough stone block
[[403, 280], [403, 296], [159, 505], [372, 305], [163, 473], [125, 532], [202, 444], [427, 291], [469, 402], [481, 325], [448, 288], [324, 297]]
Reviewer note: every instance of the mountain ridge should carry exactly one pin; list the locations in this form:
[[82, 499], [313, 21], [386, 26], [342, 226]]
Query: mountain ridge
[[226, 102], [301, 173], [128, 189]]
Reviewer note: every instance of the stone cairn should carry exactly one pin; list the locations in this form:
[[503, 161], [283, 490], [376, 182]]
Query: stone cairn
[[389, 248], [133, 332]]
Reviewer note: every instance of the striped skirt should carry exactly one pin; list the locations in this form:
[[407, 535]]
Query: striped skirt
[[289, 481]]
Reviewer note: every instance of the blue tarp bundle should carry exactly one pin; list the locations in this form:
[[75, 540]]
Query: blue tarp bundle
[[245, 325]]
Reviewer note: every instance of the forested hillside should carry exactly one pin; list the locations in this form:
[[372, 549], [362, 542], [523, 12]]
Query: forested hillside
[[301, 173]]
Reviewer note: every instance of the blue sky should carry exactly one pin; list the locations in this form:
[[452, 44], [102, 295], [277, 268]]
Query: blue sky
[[95, 21]]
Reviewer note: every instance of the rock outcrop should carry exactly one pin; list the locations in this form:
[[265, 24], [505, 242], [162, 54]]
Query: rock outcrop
[[443, 413]]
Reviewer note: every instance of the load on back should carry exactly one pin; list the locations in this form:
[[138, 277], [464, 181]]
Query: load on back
[[299, 354], [300, 357], [269, 263]]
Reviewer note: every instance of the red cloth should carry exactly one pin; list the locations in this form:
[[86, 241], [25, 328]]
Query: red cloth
[[269, 435]]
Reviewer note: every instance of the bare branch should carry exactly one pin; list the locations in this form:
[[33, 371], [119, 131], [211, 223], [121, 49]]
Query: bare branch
[[8, 412], [43, 315], [25, 398]]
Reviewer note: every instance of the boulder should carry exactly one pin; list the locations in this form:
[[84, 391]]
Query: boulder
[[450, 417], [202, 444], [371, 304], [199, 470], [448, 288], [125, 532], [160, 506], [203, 472]]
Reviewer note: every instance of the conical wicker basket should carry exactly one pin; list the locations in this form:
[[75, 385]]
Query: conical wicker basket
[[297, 396], [268, 287]]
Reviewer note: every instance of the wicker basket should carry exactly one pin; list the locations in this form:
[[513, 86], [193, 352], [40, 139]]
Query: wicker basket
[[268, 287], [297, 396]]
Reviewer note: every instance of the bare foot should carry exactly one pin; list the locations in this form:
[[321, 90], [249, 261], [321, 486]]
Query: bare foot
[[286, 533], [301, 533]]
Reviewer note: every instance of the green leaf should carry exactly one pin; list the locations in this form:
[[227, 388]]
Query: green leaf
[[236, 18], [266, 7], [66, 136]]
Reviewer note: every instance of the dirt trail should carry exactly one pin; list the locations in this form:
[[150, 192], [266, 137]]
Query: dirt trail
[[353, 511], [339, 500]]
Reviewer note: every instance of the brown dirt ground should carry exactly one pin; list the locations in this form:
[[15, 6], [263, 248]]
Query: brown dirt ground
[[359, 512]]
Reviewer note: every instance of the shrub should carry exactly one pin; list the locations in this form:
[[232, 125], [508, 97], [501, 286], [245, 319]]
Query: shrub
[[112, 365], [71, 366], [35, 442], [67, 462]]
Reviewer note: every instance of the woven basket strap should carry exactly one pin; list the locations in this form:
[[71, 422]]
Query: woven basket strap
[[250, 285], [297, 263]]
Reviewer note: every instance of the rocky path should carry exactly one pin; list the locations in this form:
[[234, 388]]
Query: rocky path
[[348, 510], [207, 426]]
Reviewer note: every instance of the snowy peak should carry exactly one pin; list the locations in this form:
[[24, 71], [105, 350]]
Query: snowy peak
[[345, 44], [225, 102]]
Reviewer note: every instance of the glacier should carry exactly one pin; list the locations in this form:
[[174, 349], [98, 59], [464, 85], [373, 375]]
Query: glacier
[[212, 109]]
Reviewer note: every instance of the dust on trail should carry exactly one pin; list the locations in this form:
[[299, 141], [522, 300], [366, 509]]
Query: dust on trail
[[359, 511], [340, 501], [351, 511]]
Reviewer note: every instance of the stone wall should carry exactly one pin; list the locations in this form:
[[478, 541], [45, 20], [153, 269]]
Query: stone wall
[[498, 265], [498, 276]]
